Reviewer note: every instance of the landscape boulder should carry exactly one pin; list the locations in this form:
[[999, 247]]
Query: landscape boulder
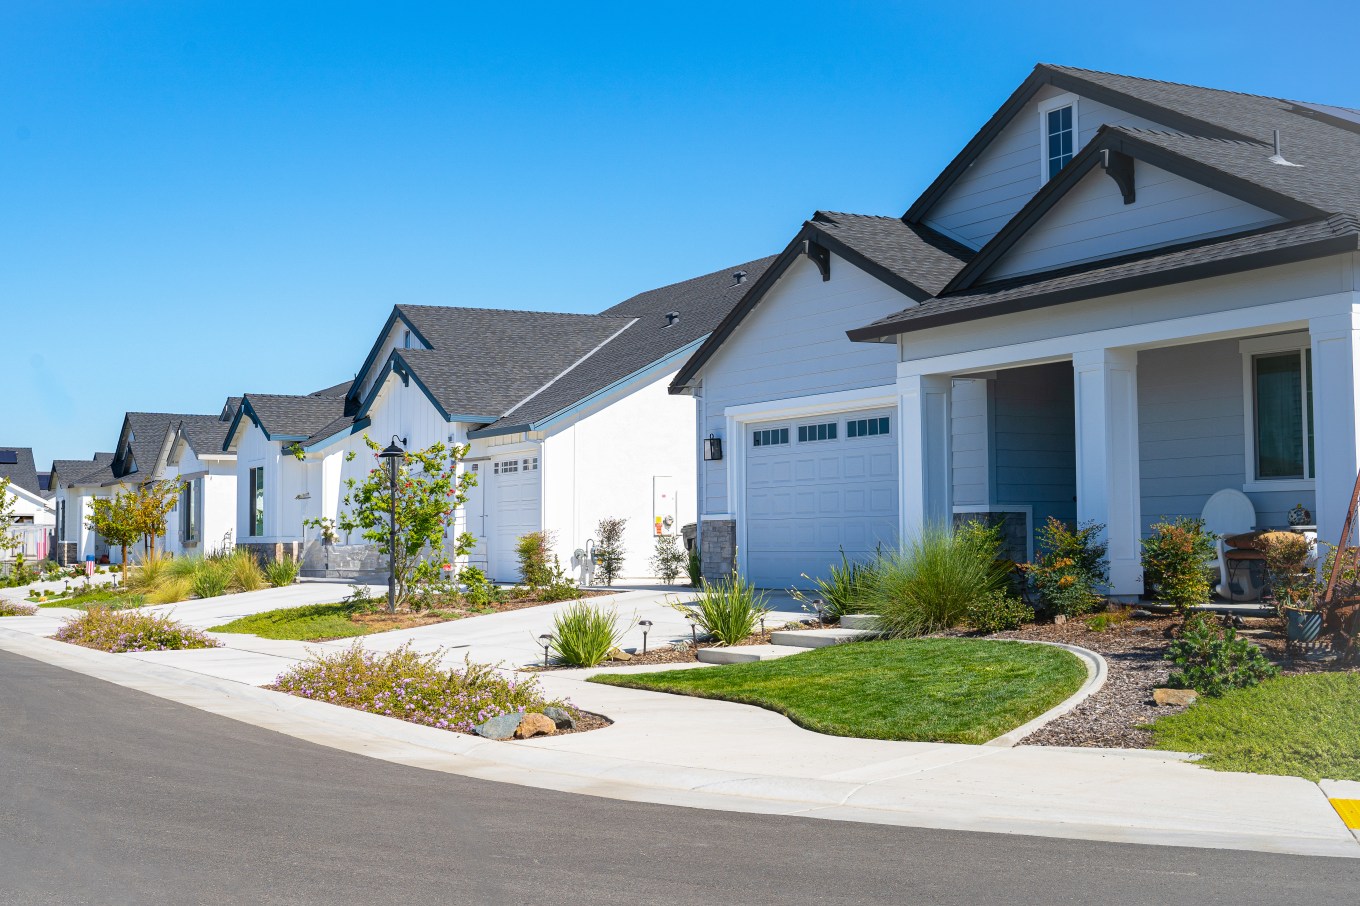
[[533, 724], [1180, 697], [561, 717], [501, 727]]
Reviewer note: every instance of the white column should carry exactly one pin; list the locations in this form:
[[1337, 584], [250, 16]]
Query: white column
[[1107, 458], [923, 453], [1336, 417]]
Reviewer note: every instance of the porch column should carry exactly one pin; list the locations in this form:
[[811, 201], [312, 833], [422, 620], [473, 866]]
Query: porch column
[[923, 453], [1336, 417], [1107, 458]]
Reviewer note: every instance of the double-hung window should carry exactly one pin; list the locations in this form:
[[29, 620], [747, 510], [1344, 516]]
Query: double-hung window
[[256, 525], [1279, 401], [1057, 133], [191, 511]]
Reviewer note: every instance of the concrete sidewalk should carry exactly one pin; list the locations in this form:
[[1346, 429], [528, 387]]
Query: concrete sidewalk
[[690, 751]]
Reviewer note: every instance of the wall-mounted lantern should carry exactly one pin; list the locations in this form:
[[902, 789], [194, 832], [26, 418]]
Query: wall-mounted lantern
[[712, 448]]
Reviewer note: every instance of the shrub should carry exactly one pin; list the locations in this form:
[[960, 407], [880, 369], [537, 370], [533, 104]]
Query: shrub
[[1070, 568], [15, 609], [414, 687], [729, 609], [998, 612], [609, 549], [583, 634], [560, 586], [1176, 559], [281, 573], [171, 590], [694, 566], [477, 590], [532, 550], [847, 588], [930, 585], [211, 578], [183, 567], [127, 630], [1213, 660], [1289, 557], [150, 571], [1101, 622], [668, 559], [244, 572]]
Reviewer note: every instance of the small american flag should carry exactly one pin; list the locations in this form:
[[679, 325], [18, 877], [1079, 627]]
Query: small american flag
[[89, 566]]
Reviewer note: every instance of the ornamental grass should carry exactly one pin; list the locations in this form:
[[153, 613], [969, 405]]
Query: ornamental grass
[[119, 631], [413, 686]]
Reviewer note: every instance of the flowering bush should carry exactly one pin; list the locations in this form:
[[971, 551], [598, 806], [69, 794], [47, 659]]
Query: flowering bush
[[126, 630], [412, 686], [15, 609], [1070, 568], [1176, 559]]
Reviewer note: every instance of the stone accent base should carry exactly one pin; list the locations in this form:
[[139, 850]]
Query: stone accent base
[[718, 548], [343, 560], [269, 551]]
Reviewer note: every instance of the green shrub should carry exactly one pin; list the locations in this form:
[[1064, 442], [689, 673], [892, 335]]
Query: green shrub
[[1176, 559], [1212, 660], [183, 567], [584, 634], [1101, 622], [668, 559], [729, 609], [15, 609], [281, 573], [95, 596], [211, 578], [694, 566], [609, 549], [848, 588], [560, 586], [149, 572], [999, 612], [533, 552], [1289, 558], [477, 590], [128, 630], [1070, 568], [244, 571], [414, 687], [931, 584]]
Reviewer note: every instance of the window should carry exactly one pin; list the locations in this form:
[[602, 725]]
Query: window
[[406, 340], [866, 427], [1282, 404], [530, 464], [770, 437], [256, 525], [506, 466], [1058, 126], [190, 511], [61, 520], [809, 433]]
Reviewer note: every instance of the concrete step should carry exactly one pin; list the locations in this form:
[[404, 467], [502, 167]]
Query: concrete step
[[743, 654], [820, 638], [859, 621]]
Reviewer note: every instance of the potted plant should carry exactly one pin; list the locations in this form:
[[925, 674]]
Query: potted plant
[[1290, 565]]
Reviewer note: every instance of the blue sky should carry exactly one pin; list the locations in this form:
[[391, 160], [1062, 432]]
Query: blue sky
[[200, 199]]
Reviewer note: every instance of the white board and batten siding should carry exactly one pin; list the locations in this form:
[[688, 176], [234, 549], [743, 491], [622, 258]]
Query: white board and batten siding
[[1008, 173], [394, 339], [793, 344]]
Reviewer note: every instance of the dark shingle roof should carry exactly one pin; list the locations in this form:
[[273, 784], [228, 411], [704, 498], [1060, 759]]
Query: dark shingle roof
[[913, 252], [206, 433], [83, 471], [294, 416], [700, 305], [22, 473], [335, 390], [149, 430]]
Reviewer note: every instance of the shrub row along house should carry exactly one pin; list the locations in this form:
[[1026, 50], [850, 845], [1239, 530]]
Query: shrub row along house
[[1122, 299]]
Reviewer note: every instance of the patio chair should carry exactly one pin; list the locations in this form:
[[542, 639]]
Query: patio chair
[[1231, 517]]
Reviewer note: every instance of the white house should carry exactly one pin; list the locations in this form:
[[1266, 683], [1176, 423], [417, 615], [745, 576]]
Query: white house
[[567, 417], [33, 514], [204, 518], [1120, 298], [75, 483]]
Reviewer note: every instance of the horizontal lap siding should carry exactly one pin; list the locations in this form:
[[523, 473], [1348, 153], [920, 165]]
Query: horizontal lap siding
[[969, 450], [1035, 439]]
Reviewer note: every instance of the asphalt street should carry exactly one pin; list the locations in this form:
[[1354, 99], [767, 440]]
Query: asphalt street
[[111, 796]]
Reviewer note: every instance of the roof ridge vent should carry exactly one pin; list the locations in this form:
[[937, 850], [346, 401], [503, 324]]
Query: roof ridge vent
[[1277, 157]]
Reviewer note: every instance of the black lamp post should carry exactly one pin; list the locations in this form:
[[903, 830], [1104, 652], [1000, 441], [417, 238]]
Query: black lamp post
[[394, 454], [546, 640], [646, 627]]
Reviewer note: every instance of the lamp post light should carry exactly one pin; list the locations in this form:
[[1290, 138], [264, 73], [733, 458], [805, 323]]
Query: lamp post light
[[819, 604], [393, 454], [693, 629], [646, 627], [546, 640]]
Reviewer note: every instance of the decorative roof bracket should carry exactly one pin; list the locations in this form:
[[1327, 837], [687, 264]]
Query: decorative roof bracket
[[1119, 166], [820, 255]]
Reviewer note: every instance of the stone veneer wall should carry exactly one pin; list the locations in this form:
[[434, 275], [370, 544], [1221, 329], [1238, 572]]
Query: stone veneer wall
[[718, 548]]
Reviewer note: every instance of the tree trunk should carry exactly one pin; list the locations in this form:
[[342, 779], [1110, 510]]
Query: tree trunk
[[123, 547]]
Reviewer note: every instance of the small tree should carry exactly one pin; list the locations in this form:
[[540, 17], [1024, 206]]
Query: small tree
[[429, 491], [533, 551], [609, 548], [115, 520], [151, 505], [8, 540], [668, 559]]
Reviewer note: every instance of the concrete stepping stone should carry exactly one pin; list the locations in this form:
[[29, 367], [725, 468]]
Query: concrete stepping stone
[[820, 638], [859, 621], [743, 654]]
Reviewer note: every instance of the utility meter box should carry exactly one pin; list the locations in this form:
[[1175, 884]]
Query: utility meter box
[[665, 512]]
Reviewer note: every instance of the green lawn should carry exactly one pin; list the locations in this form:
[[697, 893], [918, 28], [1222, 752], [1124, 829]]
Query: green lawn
[[927, 690], [1304, 726], [97, 597], [313, 621]]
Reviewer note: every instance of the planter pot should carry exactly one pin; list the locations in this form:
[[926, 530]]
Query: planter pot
[[1302, 626]]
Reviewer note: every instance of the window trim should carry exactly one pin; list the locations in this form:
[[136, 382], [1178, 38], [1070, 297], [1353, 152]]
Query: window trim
[[784, 441], [833, 431], [867, 433], [1300, 342], [1066, 99], [255, 490]]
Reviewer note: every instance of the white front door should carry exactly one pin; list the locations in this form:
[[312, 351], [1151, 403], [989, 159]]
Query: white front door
[[515, 496], [815, 487]]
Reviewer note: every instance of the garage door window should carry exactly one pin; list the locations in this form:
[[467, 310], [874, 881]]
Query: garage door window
[[810, 433], [505, 467], [770, 437], [866, 427], [530, 465]]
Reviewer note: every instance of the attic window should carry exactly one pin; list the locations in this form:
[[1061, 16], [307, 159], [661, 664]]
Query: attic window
[[9, 457], [1058, 133], [406, 340]]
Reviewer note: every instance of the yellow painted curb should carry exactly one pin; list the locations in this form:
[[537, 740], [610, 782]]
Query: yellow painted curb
[[1349, 810]]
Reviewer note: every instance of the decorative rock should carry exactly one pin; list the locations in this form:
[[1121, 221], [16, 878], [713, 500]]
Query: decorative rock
[[618, 654], [533, 724], [560, 717], [1060, 619], [1179, 697], [1139, 613], [501, 727]]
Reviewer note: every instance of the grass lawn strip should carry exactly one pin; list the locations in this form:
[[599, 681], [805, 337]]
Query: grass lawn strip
[[325, 622], [1303, 726], [922, 690]]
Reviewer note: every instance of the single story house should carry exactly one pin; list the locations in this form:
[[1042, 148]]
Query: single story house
[[1120, 298], [34, 514], [204, 518], [75, 484]]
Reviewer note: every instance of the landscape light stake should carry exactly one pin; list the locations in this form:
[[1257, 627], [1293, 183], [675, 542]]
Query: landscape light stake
[[393, 454], [646, 625], [546, 640], [819, 604], [693, 629]]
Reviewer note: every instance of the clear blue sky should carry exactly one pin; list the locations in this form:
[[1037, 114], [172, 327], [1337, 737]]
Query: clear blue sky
[[200, 199]]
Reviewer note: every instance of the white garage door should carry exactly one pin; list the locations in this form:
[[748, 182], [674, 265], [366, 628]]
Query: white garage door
[[514, 511], [814, 487]]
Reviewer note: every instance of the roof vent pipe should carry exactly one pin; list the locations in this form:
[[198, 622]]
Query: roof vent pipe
[[739, 278], [672, 317], [1277, 157]]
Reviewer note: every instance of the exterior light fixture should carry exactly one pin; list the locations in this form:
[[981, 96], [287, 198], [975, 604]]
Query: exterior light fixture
[[546, 640], [693, 629], [393, 454], [712, 448], [646, 626], [820, 605]]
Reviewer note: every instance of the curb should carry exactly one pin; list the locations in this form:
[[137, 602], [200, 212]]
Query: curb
[[1097, 671]]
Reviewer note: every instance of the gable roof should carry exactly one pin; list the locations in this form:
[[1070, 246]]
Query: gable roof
[[291, 418], [22, 473], [145, 435], [912, 258], [70, 472], [205, 433]]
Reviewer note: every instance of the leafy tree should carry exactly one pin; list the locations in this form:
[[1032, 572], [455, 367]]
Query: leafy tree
[[668, 559], [609, 549], [533, 551], [115, 520], [429, 490], [151, 505], [8, 540]]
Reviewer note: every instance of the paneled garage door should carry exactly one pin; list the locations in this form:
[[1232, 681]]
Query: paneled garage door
[[514, 510], [814, 487]]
